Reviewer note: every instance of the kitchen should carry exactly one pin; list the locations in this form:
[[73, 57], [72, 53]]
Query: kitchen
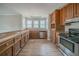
[[65, 30], [60, 27]]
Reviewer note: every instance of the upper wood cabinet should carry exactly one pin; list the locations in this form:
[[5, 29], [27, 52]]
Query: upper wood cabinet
[[74, 10], [70, 11], [53, 18], [61, 16], [77, 5], [57, 19], [64, 13]]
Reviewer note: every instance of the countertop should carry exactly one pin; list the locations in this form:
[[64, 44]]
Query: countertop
[[8, 35]]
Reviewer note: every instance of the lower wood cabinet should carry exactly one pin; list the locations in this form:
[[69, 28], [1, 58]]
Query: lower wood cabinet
[[36, 34], [13, 46], [6, 48], [23, 40], [8, 52], [54, 35], [22, 43], [16, 48]]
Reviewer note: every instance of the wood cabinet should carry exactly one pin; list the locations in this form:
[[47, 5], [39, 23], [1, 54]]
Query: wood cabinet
[[55, 24], [17, 47], [35, 34], [77, 5], [53, 35], [52, 20], [57, 20], [61, 17], [74, 10], [8, 52], [64, 13], [23, 41], [12, 46], [25, 37], [70, 11], [6, 48]]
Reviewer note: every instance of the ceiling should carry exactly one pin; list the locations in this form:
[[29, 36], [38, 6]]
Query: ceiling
[[32, 9]]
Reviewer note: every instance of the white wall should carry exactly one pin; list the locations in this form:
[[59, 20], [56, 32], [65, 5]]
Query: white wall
[[10, 23]]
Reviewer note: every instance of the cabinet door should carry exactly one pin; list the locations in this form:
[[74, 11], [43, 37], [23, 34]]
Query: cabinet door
[[22, 42], [53, 18], [16, 48], [61, 17], [57, 20], [8, 52], [64, 13], [77, 9], [54, 35], [6, 46], [70, 11]]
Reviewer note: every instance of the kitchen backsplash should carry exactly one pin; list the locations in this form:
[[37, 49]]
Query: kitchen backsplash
[[72, 25]]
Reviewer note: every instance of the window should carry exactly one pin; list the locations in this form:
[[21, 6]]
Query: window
[[35, 24], [42, 24], [29, 23]]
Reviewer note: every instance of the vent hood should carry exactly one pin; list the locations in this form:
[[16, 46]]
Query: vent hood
[[74, 20]]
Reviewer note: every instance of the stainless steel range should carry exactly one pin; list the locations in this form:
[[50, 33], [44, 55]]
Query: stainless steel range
[[69, 43]]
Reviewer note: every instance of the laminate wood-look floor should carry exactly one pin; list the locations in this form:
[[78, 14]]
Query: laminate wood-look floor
[[39, 47]]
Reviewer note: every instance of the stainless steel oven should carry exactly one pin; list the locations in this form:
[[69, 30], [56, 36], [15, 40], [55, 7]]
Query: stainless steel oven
[[68, 47], [68, 44]]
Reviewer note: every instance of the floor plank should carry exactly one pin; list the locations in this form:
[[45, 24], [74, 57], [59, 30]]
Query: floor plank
[[39, 47]]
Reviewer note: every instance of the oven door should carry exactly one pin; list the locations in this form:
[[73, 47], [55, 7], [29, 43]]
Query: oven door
[[69, 45], [66, 46]]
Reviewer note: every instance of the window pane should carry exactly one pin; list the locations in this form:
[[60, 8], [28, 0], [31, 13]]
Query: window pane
[[42, 24], [29, 23], [42, 21], [29, 26], [36, 24]]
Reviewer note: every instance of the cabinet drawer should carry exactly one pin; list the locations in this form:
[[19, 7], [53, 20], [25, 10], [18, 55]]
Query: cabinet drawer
[[16, 48], [5, 45], [10, 42], [2, 47], [23, 35], [17, 38], [22, 43], [7, 52]]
